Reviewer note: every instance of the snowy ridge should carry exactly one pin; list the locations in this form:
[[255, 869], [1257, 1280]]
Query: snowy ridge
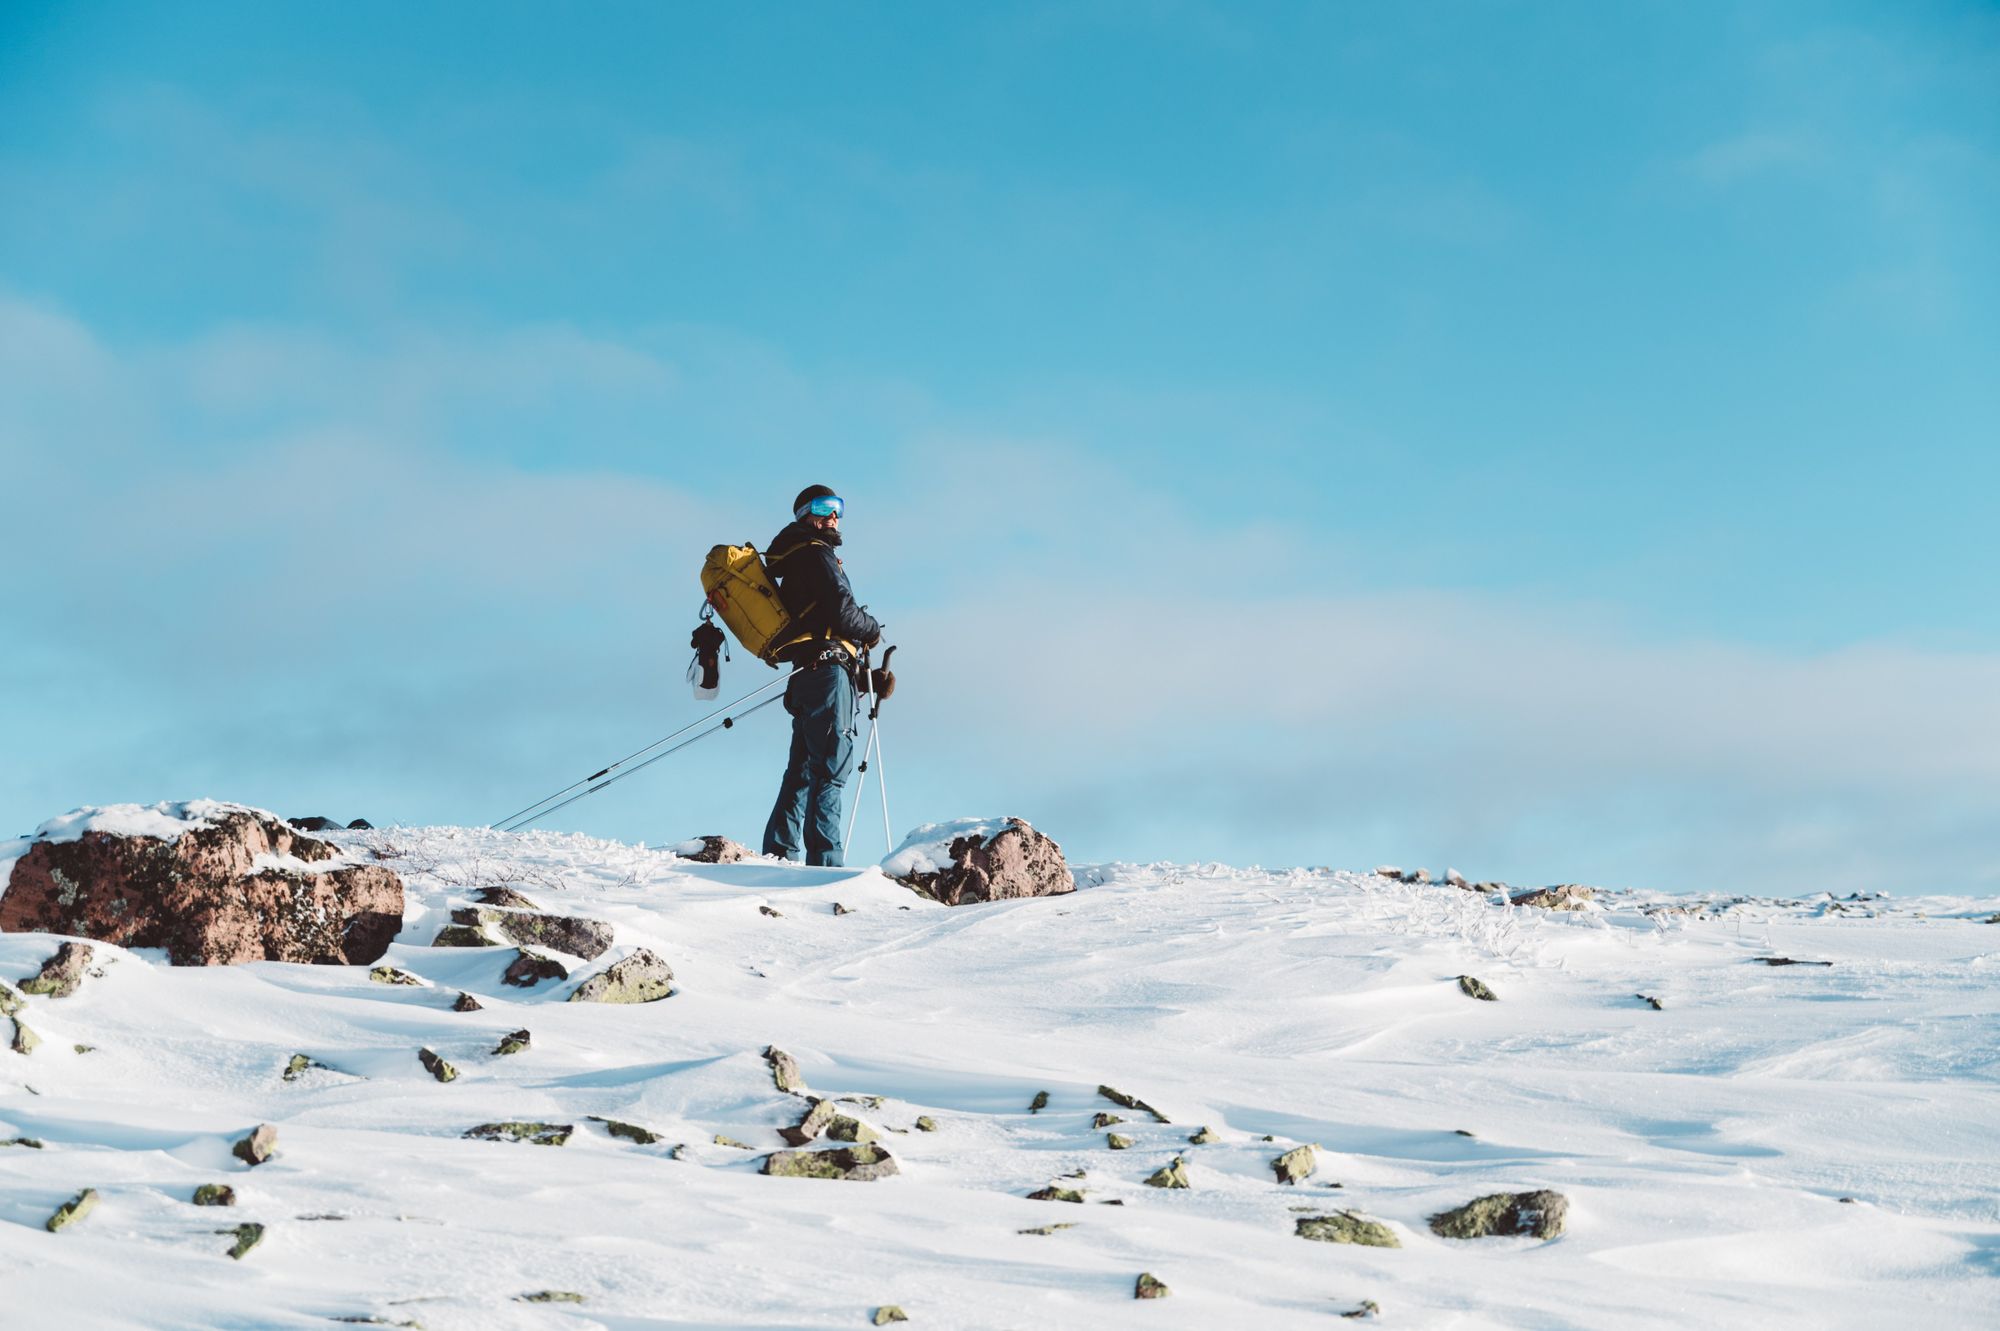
[[1706, 1147]]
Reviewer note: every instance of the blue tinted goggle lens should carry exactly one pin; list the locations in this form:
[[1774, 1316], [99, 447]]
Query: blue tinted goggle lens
[[826, 506]]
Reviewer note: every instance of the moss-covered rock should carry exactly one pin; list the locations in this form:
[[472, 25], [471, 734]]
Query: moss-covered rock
[[1368, 1308], [550, 1296], [1169, 1176], [1052, 1193], [247, 1236], [1039, 1103], [300, 1065], [10, 1002], [639, 978], [1347, 1227], [561, 933], [514, 1042], [1150, 1286], [259, 1145], [817, 1118], [1203, 1137], [25, 1040], [529, 969], [1101, 1120], [1295, 1165], [1048, 1229], [1540, 1215], [62, 974], [890, 1312], [214, 1194], [71, 1211], [844, 1129], [463, 935], [1117, 1141], [393, 975], [523, 1130], [506, 896], [857, 1164], [722, 1140], [785, 1074], [925, 1123], [1474, 987], [1132, 1102], [631, 1132], [31, 1143], [436, 1066]]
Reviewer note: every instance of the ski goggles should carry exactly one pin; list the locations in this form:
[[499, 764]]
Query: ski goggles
[[826, 506]]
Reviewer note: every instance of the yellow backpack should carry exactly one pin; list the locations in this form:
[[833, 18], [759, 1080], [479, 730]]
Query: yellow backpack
[[740, 589]]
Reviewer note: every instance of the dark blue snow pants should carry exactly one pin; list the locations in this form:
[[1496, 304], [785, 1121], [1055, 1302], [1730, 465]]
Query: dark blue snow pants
[[821, 701]]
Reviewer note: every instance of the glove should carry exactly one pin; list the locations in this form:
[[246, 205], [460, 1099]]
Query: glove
[[882, 682]]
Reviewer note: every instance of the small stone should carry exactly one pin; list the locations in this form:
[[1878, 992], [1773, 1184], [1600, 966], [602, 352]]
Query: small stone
[[73, 1210], [392, 975], [925, 1123], [462, 935], [1347, 1227], [1791, 961], [1111, 1201], [467, 1003], [247, 1237], [839, 909], [888, 1313], [258, 1146], [1473, 987], [1538, 1215], [1388, 871], [25, 1040], [506, 896], [1368, 1308], [1040, 1102], [215, 1194], [1054, 1194], [1169, 1176], [845, 1129], [1117, 1142], [1651, 1002], [62, 974], [1464, 1132], [1565, 896], [1418, 876], [639, 978], [85, 1048], [865, 1101], [568, 934], [785, 1072], [10, 1002], [631, 1132], [515, 1043], [812, 1125], [1120, 1098], [1150, 1287], [1453, 878], [721, 1140], [766, 910], [855, 1164], [1048, 1229], [1296, 1165], [1203, 1137], [529, 969], [550, 1296], [32, 1143], [1103, 1120], [436, 1066], [520, 1130], [299, 1066]]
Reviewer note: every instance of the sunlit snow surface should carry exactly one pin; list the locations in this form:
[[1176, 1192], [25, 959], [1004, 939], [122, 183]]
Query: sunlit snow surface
[[1705, 1148]]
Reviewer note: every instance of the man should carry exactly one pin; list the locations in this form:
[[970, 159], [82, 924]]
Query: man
[[830, 633]]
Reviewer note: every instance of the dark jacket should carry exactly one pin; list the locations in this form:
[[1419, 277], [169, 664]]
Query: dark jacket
[[815, 589]]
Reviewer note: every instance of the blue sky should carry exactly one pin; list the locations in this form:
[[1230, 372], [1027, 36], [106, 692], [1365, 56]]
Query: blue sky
[[1557, 440]]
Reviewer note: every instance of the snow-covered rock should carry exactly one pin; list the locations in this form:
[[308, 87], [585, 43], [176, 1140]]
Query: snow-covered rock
[[980, 859]]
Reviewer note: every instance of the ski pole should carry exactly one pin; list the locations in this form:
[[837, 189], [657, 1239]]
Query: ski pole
[[514, 822], [854, 814], [882, 784]]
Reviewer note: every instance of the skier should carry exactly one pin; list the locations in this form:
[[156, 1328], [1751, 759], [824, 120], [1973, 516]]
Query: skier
[[832, 631]]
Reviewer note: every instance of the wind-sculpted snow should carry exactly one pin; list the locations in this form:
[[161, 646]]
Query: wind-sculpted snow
[[1703, 1149]]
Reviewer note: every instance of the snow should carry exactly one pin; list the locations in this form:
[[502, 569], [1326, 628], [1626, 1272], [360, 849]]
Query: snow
[[1705, 1148], [928, 849]]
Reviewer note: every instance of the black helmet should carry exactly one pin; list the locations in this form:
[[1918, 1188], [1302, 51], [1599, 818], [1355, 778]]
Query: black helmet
[[810, 493]]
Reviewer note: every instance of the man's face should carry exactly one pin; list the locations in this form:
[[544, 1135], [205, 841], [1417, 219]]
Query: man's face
[[831, 522]]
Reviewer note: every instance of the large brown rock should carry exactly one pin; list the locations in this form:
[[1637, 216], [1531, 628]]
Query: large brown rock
[[713, 850], [961, 863], [203, 897]]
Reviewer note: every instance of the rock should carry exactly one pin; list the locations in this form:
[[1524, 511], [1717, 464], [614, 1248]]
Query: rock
[[559, 933], [721, 1140], [10, 1002], [361, 825], [1203, 1137], [31, 1143], [247, 1237], [215, 1194], [300, 1066], [462, 935], [1015, 862], [1418, 876], [1150, 1287], [467, 1003], [393, 975], [1538, 1215], [62, 974], [1651, 1002], [1565, 896], [784, 1070], [855, 1164], [1473, 987], [1169, 1176], [1052, 1193], [514, 1043], [71, 1211], [1048, 1229], [436, 1066], [25, 1040], [925, 1123], [550, 1296], [202, 897], [1389, 871], [1296, 1165], [1367, 1308], [520, 1130], [506, 896], [890, 1312], [314, 824], [812, 1125], [631, 1132], [1346, 1227], [258, 1146], [845, 1129], [1117, 1141], [1453, 878], [766, 910], [529, 969], [1039, 1103], [1130, 1102], [714, 850], [1102, 1120], [1791, 961], [639, 978]]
